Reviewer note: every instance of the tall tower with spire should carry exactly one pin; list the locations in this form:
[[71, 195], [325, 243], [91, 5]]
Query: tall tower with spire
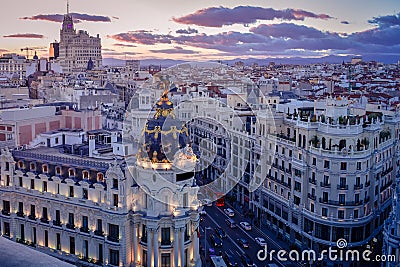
[[67, 30], [77, 48]]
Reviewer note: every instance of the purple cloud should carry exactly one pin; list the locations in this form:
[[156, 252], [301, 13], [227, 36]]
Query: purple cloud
[[124, 45], [76, 16], [345, 22], [187, 31], [142, 37], [386, 21], [175, 50], [282, 39], [288, 30], [25, 35], [378, 36], [220, 16]]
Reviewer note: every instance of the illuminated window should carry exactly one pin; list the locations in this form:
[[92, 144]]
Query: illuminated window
[[58, 170], [71, 172], [85, 174], [45, 169], [20, 164], [100, 177]]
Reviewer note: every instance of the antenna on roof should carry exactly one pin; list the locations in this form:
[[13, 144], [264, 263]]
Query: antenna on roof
[[67, 7]]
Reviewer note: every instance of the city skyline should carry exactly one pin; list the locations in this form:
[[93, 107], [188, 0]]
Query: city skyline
[[210, 31]]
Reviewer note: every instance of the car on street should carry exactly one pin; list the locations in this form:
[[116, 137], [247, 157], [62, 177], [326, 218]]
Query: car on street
[[246, 260], [220, 232], [229, 212], [215, 240], [261, 241], [229, 259], [231, 223], [207, 202], [245, 225], [243, 242], [203, 212]]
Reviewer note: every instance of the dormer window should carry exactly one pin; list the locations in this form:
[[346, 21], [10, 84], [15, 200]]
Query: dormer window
[[100, 177], [20, 164], [71, 173], [85, 175], [58, 170], [45, 168], [33, 167]]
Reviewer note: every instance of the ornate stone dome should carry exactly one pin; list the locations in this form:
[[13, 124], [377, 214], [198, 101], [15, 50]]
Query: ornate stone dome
[[163, 134]]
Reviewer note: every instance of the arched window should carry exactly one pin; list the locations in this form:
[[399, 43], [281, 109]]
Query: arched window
[[100, 177], [45, 168], [71, 173]]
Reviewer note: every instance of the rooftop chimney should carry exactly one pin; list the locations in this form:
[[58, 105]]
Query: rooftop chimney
[[92, 145]]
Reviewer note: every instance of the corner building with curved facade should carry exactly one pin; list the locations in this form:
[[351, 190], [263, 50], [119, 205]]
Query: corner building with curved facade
[[74, 200]]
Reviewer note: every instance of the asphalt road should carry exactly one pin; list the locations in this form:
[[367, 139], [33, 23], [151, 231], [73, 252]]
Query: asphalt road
[[216, 217]]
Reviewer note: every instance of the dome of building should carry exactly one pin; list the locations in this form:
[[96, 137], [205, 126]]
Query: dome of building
[[164, 135]]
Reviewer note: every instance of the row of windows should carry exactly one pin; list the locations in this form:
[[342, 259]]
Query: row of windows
[[58, 171], [71, 192], [113, 230]]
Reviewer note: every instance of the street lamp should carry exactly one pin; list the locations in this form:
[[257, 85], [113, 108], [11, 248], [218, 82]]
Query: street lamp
[[312, 239], [205, 242]]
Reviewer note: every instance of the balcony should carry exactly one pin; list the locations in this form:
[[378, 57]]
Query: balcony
[[20, 214], [312, 181], [32, 217], [84, 229], [325, 185], [367, 183], [114, 239], [99, 233], [366, 199], [339, 203], [358, 186], [5, 212], [342, 187], [313, 197], [386, 171], [166, 243], [386, 186], [70, 226], [44, 220], [56, 223]]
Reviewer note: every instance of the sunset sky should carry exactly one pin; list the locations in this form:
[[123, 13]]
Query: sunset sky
[[207, 29]]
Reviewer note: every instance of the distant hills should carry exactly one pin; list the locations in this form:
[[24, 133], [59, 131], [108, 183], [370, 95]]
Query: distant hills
[[292, 60]]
